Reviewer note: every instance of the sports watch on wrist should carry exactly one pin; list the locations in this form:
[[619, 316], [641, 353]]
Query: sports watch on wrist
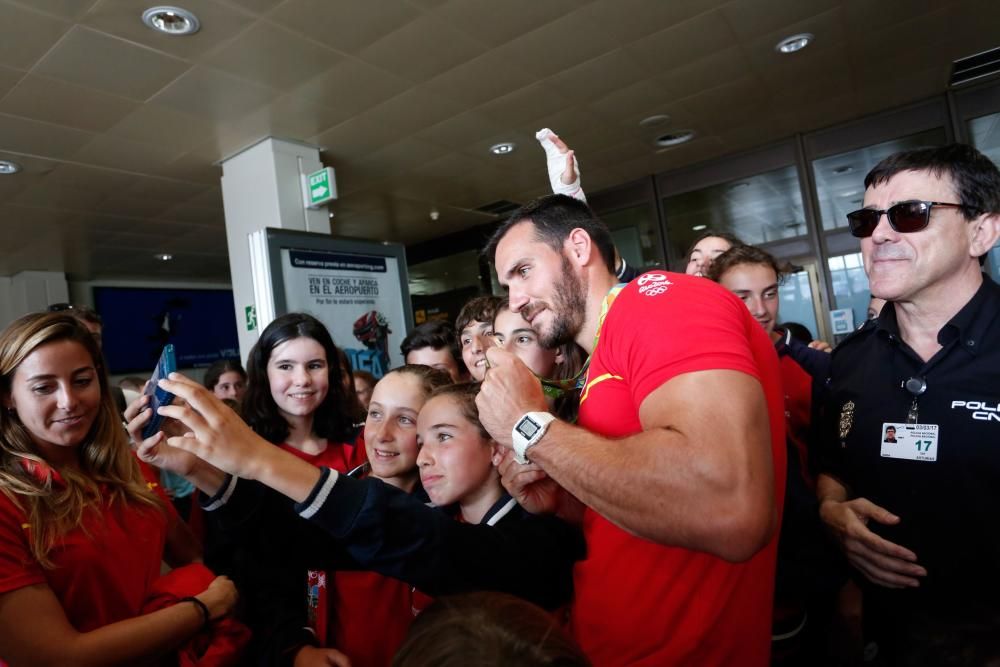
[[528, 430]]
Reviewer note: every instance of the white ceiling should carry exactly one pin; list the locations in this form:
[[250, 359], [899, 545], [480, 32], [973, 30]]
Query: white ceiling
[[120, 129]]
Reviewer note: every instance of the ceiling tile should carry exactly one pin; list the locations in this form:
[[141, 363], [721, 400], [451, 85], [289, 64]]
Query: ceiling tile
[[123, 18], [480, 80], [55, 101], [644, 94], [561, 44], [750, 18], [25, 35], [344, 25], [133, 207], [92, 179], [402, 156], [684, 43], [56, 195], [126, 155], [95, 60], [272, 56], [298, 117], [629, 20], [156, 125], [457, 132], [528, 106], [200, 215], [64, 9], [714, 70], [352, 86], [410, 112], [8, 79], [598, 76], [162, 189], [198, 166], [866, 16], [440, 47], [213, 95], [811, 79], [354, 139], [507, 21], [21, 135], [714, 105], [255, 6]]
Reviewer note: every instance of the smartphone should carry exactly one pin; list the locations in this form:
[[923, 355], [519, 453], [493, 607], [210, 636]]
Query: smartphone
[[164, 367]]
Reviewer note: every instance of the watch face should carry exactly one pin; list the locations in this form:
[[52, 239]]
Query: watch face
[[527, 428]]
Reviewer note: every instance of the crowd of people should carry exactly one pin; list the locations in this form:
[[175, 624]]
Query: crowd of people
[[602, 467]]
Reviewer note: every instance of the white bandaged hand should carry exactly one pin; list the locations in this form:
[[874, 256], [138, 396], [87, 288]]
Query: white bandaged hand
[[562, 165]]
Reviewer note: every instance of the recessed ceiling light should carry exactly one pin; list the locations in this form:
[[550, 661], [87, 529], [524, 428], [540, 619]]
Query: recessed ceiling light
[[852, 193], [794, 43], [171, 20], [8, 167], [651, 121], [698, 228], [163, 256], [674, 138], [503, 148], [845, 169]]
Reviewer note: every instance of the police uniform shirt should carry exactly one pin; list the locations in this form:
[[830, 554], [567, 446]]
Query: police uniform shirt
[[949, 507]]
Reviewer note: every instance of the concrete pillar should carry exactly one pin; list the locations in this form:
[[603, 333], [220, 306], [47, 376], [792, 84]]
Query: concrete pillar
[[30, 291], [262, 187]]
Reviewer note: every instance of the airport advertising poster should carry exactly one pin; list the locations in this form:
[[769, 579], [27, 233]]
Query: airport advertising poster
[[356, 296]]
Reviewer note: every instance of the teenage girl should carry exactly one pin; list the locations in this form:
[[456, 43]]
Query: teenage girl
[[495, 544], [296, 401], [81, 534]]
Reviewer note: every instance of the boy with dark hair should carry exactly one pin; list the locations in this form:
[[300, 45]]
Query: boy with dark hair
[[434, 344], [475, 332]]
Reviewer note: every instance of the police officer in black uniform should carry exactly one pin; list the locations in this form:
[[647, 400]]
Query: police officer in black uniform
[[918, 515]]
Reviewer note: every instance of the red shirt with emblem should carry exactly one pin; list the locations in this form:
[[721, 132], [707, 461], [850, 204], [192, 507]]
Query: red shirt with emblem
[[103, 569], [642, 603], [339, 456]]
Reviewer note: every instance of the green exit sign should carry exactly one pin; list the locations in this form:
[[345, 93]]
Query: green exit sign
[[320, 187]]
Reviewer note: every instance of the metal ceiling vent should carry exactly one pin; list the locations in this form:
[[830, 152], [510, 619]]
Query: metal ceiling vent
[[975, 67]]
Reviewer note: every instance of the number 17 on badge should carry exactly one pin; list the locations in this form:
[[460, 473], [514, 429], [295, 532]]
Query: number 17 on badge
[[914, 442]]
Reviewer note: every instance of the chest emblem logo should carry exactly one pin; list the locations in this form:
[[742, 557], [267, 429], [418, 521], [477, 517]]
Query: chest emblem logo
[[651, 284], [846, 421]]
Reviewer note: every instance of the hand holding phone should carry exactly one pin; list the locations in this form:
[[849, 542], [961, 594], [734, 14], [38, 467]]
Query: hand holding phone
[[164, 367]]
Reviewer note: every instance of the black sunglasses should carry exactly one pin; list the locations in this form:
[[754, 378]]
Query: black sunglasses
[[904, 217]]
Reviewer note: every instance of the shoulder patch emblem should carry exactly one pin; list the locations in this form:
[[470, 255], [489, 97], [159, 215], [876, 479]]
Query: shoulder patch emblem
[[846, 421], [651, 284]]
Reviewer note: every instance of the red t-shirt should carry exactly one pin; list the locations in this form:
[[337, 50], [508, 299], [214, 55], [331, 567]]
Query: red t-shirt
[[641, 603], [100, 576], [797, 385], [339, 456], [369, 616]]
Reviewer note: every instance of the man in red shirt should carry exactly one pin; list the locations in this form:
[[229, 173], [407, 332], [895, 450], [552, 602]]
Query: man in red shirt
[[677, 473]]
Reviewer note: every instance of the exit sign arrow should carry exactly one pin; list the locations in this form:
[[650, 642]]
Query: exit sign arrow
[[319, 187]]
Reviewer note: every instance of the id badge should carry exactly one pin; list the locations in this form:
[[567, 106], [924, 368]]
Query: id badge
[[914, 442]]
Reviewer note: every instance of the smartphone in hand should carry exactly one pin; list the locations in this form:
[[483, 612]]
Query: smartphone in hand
[[164, 367]]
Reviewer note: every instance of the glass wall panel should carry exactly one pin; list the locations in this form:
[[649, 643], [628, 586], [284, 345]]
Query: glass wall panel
[[850, 284], [840, 186], [757, 209], [795, 301], [634, 231], [445, 273]]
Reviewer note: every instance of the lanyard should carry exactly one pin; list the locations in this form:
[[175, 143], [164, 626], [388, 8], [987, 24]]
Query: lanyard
[[916, 386], [556, 388]]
